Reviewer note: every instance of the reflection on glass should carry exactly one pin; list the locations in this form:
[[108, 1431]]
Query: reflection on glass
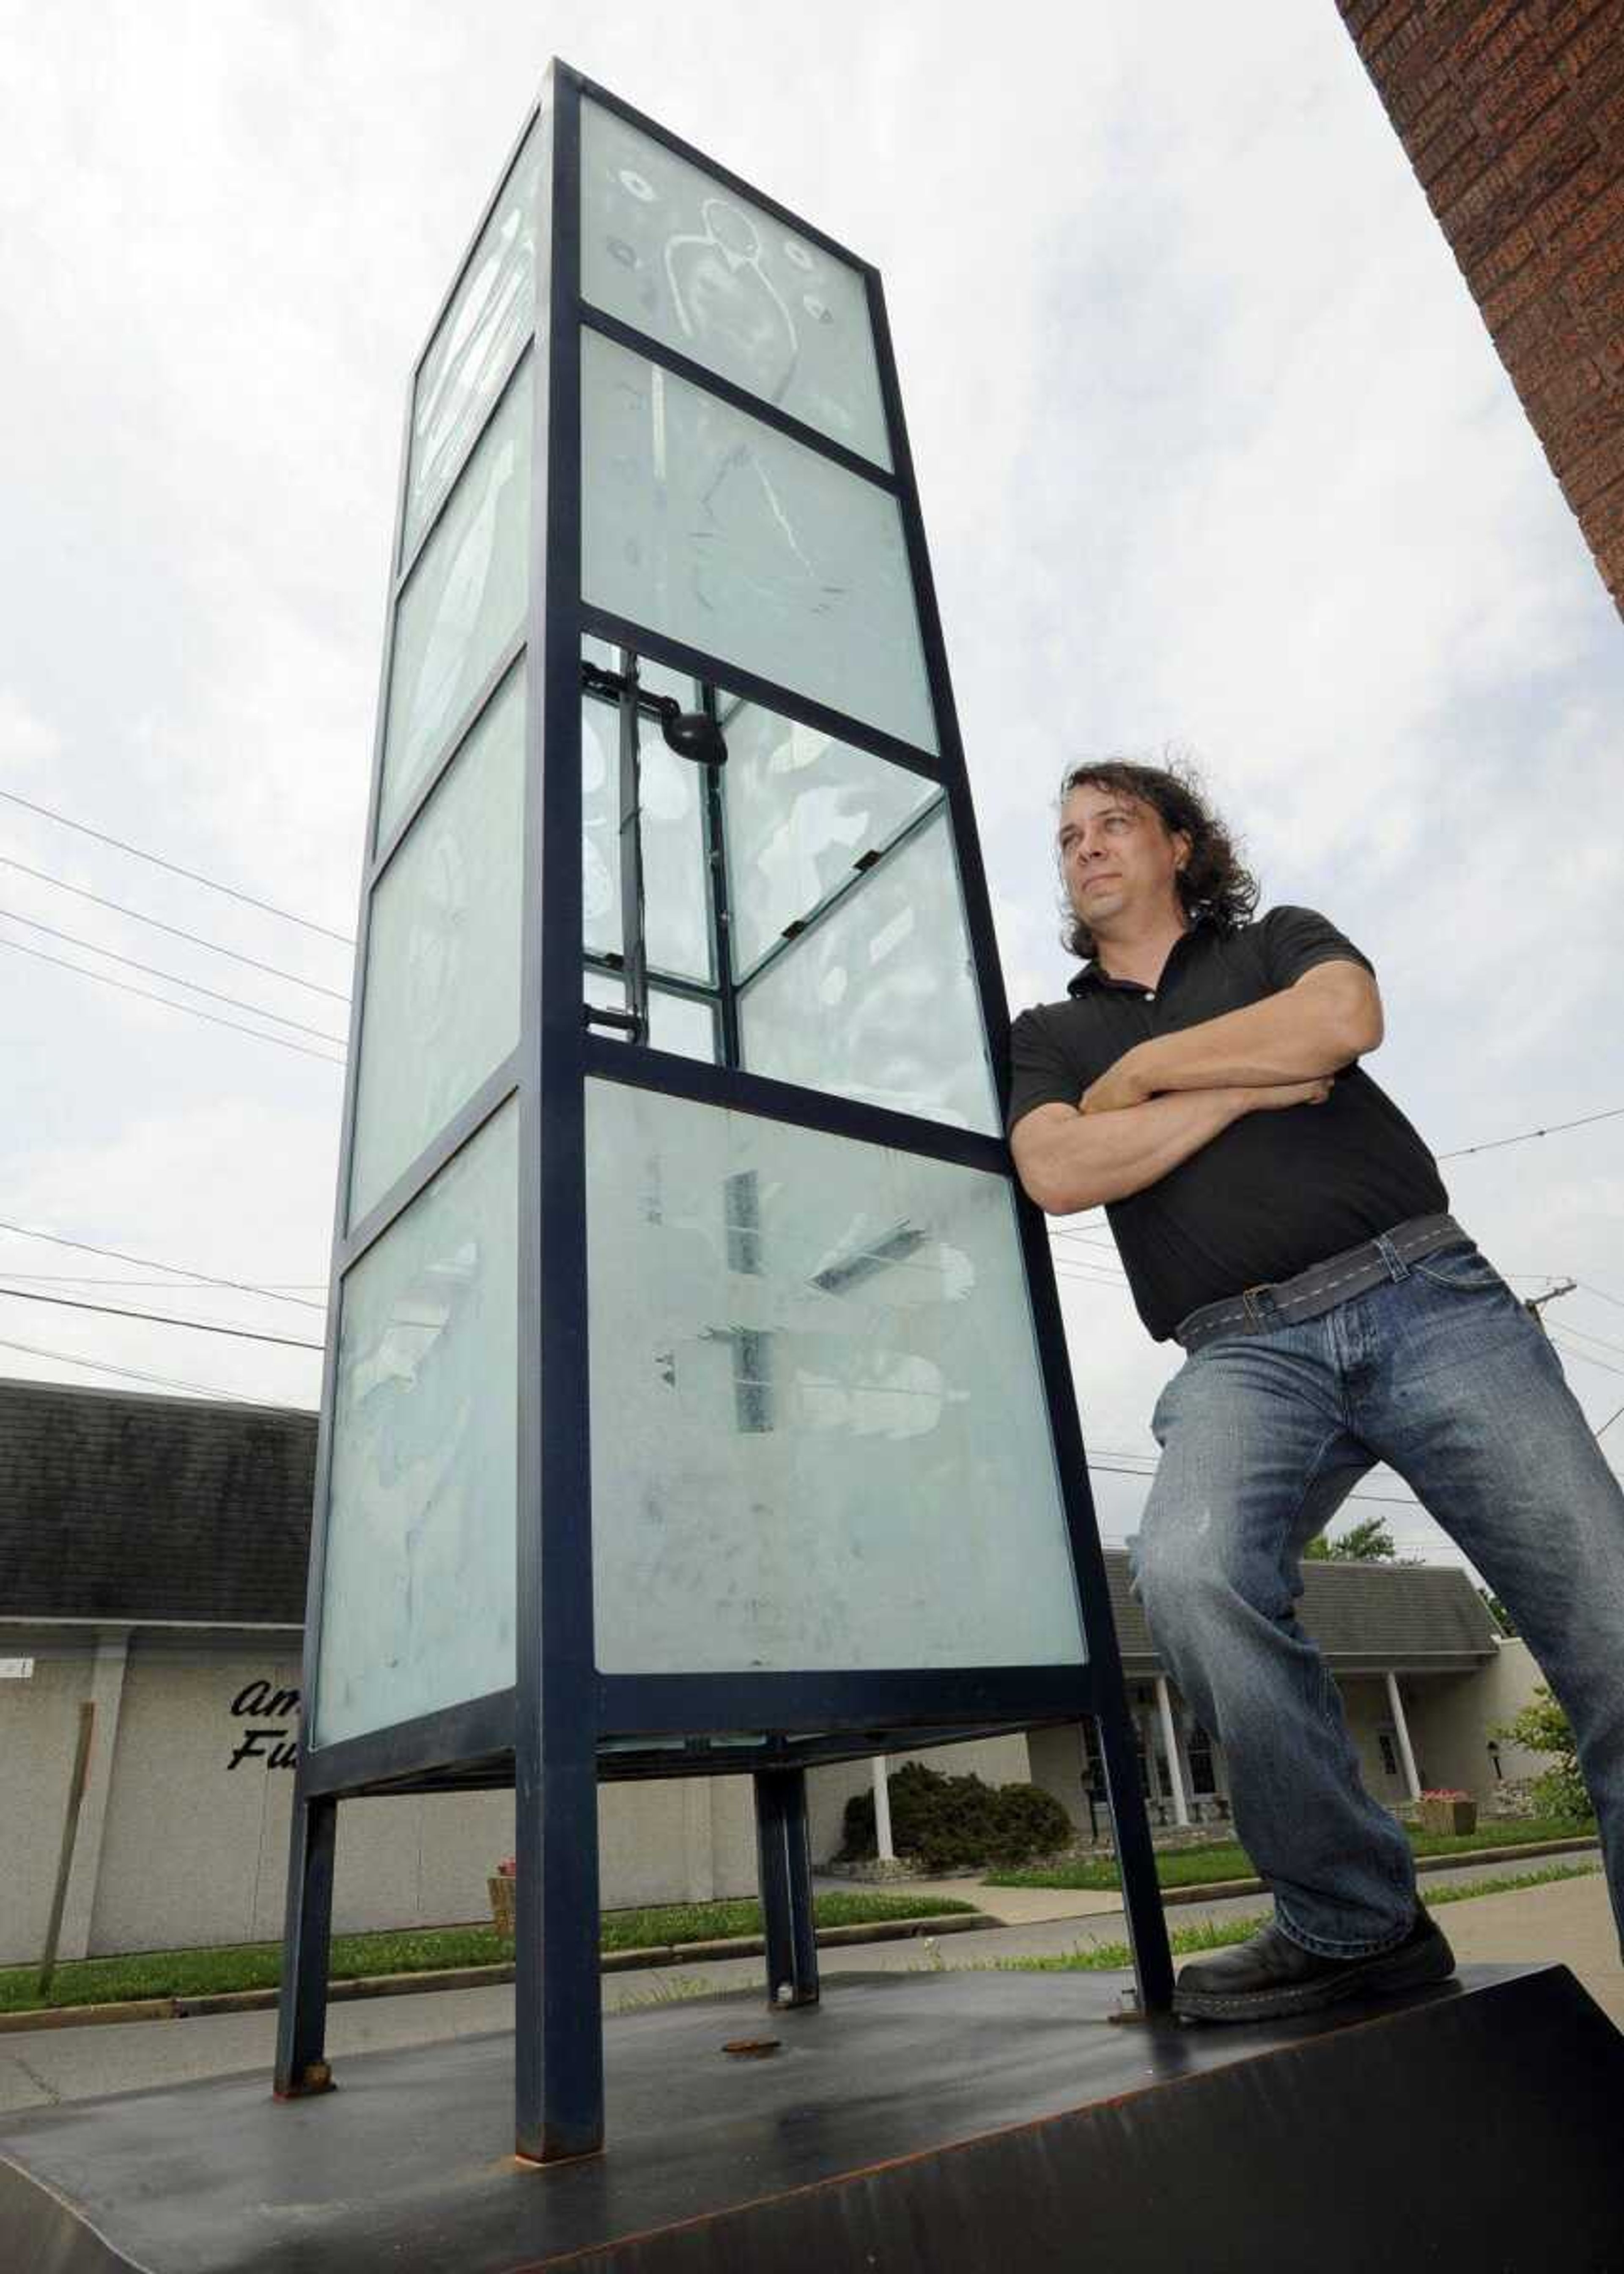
[[819, 1439], [441, 1005], [702, 269], [419, 1593], [877, 1001], [719, 532], [679, 1024], [479, 336], [803, 810], [463, 602]]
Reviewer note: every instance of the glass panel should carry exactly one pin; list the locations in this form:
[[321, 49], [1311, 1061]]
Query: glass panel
[[441, 1006], [803, 810], [819, 1436], [671, 249], [464, 600], [679, 1024], [720, 532], [877, 1001], [609, 994], [418, 1600], [676, 893], [600, 826], [479, 336]]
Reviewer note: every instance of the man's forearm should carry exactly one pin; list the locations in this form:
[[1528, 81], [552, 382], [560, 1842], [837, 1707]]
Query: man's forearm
[[1307, 1031], [1088, 1159]]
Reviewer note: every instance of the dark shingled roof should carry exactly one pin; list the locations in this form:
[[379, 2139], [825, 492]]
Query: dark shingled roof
[[1361, 1615], [119, 1506]]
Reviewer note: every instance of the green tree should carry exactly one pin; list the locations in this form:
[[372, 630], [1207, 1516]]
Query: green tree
[[1498, 1611], [1541, 1727], [1370, 1541]]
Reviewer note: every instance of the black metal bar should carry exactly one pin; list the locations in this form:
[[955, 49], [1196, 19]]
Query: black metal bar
[[469, 1120], [658, 1705], [786, 1862], [783, 702], [470, 1732], [559, 2065], [740, 1092], [1136, 1857], [634, 940], [738, 398], [302, 2011], [721, 910]]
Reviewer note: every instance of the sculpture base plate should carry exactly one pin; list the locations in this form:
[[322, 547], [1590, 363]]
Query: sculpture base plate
[[937, 2121]]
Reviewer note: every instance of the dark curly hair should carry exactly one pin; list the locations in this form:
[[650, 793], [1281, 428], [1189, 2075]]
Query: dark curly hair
[[1214, 881]]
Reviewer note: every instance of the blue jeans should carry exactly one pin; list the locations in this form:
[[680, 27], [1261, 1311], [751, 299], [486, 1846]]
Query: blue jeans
[[1441, 1372]]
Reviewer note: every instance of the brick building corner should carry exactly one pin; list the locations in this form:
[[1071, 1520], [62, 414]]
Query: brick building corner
[[1512, 113]]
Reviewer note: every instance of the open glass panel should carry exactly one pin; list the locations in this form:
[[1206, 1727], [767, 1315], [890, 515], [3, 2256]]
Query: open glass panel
[[714, 529], [463, 601], [492, 313], [819, 1439], [440, 1009], [668, 248], [803, 811], [418, 1592], [877, 999]]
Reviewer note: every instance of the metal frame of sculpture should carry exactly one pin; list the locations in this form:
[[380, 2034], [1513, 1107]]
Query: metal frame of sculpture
[[563, 1723]]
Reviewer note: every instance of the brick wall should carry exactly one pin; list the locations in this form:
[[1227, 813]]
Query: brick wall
[[1512, 112]]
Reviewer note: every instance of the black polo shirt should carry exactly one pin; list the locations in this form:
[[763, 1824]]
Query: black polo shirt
[[1274, 1192]]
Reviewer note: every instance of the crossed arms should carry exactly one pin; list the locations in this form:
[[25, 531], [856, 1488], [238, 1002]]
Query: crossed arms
[[1164, 1099]]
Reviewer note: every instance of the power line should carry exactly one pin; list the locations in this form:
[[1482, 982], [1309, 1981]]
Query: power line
[[146, 994], [1554, 1129], [152, 1263], [1560, 1338], [95, 1279], [131, 1373], [172, 978], [157, 1319], [196, 939], [192, 876]]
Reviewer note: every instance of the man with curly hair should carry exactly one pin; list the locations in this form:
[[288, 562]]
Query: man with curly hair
[[1279, 1217]]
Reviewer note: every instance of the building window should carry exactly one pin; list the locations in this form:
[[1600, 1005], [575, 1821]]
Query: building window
[[1388, 1741], [1203, 1773]]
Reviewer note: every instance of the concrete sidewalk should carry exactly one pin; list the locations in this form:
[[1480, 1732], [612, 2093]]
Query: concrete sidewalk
[[1568, 1921]]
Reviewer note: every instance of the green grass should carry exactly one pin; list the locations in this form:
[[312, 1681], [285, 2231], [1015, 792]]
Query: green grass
[[1215, 1934], [258, 1965], [1226, 1859]]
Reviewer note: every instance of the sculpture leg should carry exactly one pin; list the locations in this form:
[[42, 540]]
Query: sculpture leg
[[786, 1886], [302, 2015], [1136, 1859], [558, 2042]]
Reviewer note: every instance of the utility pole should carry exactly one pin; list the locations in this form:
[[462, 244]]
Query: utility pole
[[1536, 1303]]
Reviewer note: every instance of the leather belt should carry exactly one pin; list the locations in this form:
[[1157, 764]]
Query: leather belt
[[1287, 1302]]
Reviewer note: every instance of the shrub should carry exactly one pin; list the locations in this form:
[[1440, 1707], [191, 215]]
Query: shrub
[[953, 1823], [1541, 1727]]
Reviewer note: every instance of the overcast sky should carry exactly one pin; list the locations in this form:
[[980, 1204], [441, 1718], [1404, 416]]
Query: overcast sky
[[1213, 446]]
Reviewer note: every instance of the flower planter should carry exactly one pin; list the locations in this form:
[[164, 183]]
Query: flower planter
[[501, 1885], [1451, 1815]]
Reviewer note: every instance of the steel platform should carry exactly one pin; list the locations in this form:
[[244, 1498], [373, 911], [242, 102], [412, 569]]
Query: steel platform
[[912, 2124]]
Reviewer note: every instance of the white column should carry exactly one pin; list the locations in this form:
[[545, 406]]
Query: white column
[[1169, 1739], [882, 1848], [1396, 1707], [107, 1692]]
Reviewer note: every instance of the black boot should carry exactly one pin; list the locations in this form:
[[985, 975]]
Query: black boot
[[1271, 1976]]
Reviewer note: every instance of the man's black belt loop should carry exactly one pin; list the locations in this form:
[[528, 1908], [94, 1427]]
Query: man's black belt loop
[[1287, 1302]]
